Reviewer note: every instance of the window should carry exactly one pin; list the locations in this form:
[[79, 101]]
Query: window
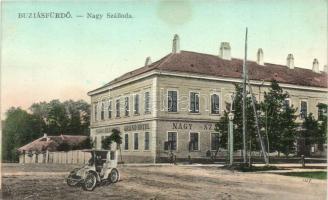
[[102, 112], [194, 102], [126, 106], [214, 141], [136, 104], [147, 102], [194, 142], [215, 104], [109, 109], [146, 140], [303, 109], [126, 141], [172, 105], [322, 111], [117, 108], [171, 143], [96, 111], [136, 142]]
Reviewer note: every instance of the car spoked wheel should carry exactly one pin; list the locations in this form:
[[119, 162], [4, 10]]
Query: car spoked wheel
[[90, 182], [114, 176], [70, 182]]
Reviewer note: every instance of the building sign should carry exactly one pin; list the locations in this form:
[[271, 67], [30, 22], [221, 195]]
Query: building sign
[[190, 126], [106, 130], [181, 125], [136, 127]]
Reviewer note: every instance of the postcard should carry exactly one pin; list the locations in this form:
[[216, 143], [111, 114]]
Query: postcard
[[182, 99]]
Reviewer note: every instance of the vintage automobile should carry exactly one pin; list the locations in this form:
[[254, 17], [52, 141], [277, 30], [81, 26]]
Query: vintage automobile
[[101, 169]]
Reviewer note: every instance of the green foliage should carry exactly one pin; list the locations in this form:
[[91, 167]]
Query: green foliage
[[114, 137], [222, 125], [222, 128], [278, 119], [313, 175], [85, 144], [64, 146], [19, 128], [322, 136], [69, 117], [54, 118], [309, 135]]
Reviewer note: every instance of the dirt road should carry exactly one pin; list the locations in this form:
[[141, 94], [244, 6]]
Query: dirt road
[[160, 182]]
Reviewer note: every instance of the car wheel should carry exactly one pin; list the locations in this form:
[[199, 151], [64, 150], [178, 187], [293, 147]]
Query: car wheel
[[70, 182], [114, 176], [90, 182]]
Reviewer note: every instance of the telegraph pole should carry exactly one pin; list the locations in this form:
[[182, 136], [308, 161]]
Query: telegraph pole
[[245, 82], [244, 99]]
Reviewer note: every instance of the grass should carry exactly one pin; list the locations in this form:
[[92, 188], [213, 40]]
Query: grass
[[246, 168], [313, 175]]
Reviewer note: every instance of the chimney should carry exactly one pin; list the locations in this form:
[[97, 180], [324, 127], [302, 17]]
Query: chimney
[[290, 61], [176, 44], [148, 61], [259, 59], [325, 68], [45, 135], [315, 66], [225, 51]]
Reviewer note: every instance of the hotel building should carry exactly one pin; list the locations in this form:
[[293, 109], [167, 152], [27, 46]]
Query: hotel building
[[176, 101]]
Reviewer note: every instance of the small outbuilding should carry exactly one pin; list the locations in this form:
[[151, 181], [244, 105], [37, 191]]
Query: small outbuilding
[[38, 150]]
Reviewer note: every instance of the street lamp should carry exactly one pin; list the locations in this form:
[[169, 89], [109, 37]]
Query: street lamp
[[231, 116]]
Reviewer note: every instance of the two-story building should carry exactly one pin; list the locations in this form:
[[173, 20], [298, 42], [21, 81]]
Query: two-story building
[[176, 101]]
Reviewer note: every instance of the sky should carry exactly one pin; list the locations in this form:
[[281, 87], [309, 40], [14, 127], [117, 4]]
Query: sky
[[64, 58]]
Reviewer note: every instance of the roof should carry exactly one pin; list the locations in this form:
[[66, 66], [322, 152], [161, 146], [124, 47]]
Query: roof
[[51, 143], [199, 63]]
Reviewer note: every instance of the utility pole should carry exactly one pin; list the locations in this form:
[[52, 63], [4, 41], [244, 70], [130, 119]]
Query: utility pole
[[246, 81], [257, 125], [244, 99]]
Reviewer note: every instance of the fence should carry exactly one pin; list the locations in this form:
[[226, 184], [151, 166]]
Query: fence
[[61, 157]]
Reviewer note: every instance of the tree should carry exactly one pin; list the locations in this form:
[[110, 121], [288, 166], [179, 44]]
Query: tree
[[85, 144], [309, 134], [79, 117], [114, 137], [70, 117], [288, 131], [222, 125], [322, 118], [278, 120], [19, 129]]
